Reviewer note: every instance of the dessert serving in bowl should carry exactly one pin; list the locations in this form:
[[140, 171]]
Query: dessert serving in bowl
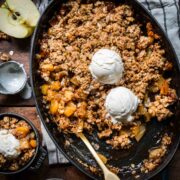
[[106, 69], [19, 145]]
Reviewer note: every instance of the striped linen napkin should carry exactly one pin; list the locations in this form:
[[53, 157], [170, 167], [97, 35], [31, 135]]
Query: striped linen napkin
[[54, 155], [167, 13]]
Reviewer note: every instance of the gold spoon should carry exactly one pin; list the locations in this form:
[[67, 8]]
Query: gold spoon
[[108, 175]]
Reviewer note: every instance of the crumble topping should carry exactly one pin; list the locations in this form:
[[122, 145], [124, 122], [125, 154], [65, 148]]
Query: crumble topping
[[76, 100]]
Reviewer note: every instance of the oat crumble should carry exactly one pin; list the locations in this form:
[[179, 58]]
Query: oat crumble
[[74, 98], [3, 36], [4, 56], [24, 133]]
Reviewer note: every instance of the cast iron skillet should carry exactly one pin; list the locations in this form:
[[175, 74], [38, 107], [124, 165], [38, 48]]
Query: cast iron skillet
[[76, 151]]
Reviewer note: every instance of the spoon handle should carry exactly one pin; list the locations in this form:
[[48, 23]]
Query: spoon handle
[[91, 149]]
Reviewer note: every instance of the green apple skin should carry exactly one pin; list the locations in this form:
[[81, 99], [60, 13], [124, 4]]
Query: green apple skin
[[27, 10], [15, 30]]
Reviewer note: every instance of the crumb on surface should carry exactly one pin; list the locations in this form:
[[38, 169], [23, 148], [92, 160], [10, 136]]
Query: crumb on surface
[[4, 36], [4, 56]]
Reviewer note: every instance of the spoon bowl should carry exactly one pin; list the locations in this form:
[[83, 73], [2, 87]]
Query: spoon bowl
[[108, 175]]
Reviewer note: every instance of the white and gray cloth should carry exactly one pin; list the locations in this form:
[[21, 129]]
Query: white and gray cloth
[[167, 13], [54, 155]]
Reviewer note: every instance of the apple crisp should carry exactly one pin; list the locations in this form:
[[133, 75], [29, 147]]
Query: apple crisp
[[26, 136], [76, 100]]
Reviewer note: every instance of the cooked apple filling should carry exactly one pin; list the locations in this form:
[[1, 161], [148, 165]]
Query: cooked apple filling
[[76, 100]]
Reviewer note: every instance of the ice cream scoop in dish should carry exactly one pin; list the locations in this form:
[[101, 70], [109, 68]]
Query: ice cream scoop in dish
[[9, 144], [106, 66], [121, 103]]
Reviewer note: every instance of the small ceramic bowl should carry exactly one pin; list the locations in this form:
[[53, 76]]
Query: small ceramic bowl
[[13, 77], [40, 153]]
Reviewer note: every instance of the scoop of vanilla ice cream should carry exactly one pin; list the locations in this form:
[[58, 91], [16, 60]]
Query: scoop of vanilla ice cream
[[121, 103], [9, 144], [106, 66]]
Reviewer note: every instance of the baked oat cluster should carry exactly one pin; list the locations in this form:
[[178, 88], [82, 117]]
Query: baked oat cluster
[[76, 100], [3, 36], [156, 155], [4, 57], [26, 137]]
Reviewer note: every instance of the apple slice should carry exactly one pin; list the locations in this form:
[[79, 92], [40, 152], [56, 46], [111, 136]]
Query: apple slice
[[25, 9], [13, 29]]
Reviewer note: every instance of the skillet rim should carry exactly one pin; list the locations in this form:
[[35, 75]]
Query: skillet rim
[[32, 54]]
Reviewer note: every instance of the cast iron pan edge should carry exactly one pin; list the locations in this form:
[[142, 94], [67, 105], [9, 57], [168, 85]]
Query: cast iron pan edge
[[32, 55]]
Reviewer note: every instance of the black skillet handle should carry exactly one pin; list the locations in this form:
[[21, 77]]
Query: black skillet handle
[[41, 156]]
